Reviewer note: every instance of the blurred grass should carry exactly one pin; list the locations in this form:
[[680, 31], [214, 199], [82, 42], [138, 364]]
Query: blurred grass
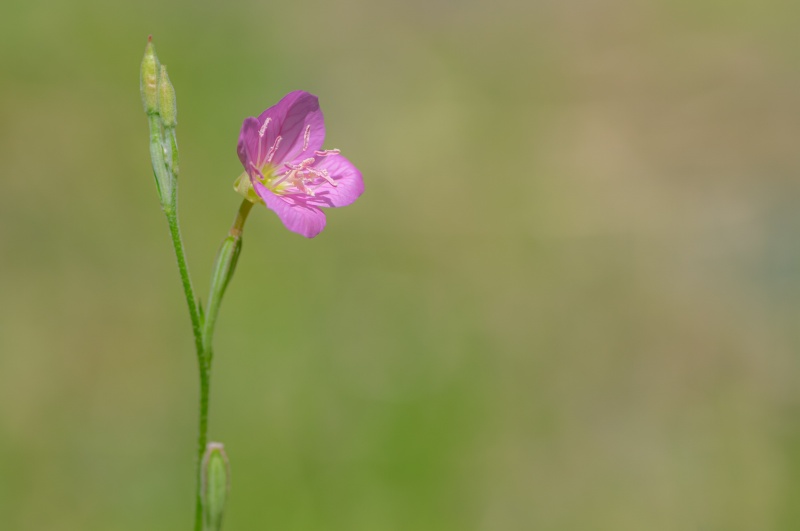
[[568, 299]]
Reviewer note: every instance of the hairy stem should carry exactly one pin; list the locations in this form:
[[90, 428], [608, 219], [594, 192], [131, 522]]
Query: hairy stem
[[197, 330], [203, 326]]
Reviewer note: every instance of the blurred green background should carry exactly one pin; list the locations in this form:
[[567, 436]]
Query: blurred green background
[[568, 300]]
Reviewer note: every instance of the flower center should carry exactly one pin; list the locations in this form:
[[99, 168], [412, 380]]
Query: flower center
[[301, 178]]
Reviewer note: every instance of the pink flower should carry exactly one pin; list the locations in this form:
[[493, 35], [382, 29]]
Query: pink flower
[[288, 170]]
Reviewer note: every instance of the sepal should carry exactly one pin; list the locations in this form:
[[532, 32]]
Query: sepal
[[215, 483]]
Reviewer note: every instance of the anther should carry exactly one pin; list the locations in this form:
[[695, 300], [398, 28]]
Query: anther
[[304, 164], [326, 152], [274, 148], [264, 127], [306, 136], [325, 175]]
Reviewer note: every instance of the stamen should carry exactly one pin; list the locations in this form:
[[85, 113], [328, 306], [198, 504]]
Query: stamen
[[323, 174], [299, 182], [306, 136], [274, 148], [326, 152], [328, 178], [304, 164], [287, 175], [264, 127], [304, 177]]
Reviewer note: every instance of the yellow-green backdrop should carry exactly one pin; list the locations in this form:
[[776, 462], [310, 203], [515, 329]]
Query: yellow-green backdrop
[[569, 298]]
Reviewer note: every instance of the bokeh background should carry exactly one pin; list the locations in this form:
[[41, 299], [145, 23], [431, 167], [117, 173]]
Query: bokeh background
[[568, 300]]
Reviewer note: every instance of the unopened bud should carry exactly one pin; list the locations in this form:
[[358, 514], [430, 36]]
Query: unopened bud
[[225, 264], [166, 100], [215, 484], [148, 83]]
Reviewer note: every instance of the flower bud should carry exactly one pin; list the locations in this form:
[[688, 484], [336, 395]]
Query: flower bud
[[215, 475], [225, 264], [148, 83], [166, 100]]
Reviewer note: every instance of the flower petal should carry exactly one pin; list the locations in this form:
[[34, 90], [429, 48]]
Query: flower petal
[[349, 184], [298, 120], [248, 142], [294, 210]]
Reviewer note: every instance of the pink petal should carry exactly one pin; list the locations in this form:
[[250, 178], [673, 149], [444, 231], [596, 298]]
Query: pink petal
[[248, 142], [294, 210], [349, 184], [298, 121]]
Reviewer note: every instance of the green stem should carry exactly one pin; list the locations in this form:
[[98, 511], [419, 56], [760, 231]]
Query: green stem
[[197, 330], [202, 440], [203, 327], [164, 156], [191, 301]]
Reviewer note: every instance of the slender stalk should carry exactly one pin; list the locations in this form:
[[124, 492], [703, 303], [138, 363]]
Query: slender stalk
[[203, 325], [197, 330], [202, 440], [188, 290], [241, 217]]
